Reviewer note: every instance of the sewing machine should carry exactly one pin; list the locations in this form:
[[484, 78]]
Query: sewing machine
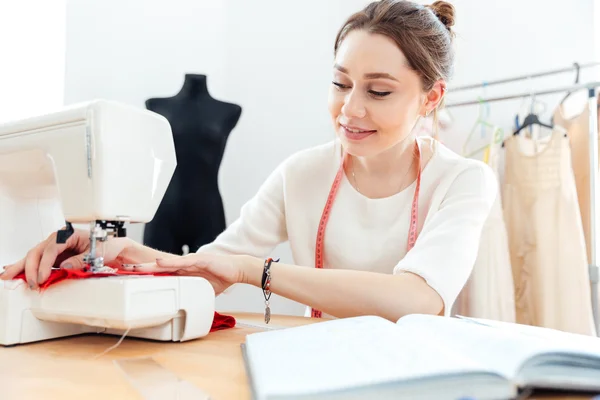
[[98, 164]]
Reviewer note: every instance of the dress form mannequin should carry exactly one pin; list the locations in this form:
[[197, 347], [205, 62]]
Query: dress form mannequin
[[191, 212]]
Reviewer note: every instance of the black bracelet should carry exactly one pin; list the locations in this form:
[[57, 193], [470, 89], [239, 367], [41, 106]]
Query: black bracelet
[[266, 287]]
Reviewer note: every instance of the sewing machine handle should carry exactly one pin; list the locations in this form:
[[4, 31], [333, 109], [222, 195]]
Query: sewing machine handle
[[64, 234]]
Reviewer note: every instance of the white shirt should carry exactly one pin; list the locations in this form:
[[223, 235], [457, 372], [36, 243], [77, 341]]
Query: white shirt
[[455, 199]]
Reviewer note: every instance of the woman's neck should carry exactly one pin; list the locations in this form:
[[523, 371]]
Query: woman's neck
[[390, 161], [386, 173]]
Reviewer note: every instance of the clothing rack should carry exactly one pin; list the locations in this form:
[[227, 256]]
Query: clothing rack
[[593, 151], [575, 67], [591, 86]]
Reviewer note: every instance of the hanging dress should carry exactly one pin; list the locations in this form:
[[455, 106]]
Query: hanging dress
[[577, 127], [545, 235], [489, 292]]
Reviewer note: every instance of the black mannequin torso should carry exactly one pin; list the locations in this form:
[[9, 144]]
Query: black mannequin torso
[[191, 213]]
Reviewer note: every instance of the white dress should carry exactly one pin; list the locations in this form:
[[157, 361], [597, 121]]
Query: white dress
[[489, 292]]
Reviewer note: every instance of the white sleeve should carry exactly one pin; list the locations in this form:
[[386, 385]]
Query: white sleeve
[[261, 225], [448, 244]]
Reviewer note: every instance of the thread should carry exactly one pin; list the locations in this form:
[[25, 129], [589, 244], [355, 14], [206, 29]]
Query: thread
[[111, 348]]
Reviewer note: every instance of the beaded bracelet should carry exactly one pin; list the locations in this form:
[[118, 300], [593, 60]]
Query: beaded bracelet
[[266, 287]]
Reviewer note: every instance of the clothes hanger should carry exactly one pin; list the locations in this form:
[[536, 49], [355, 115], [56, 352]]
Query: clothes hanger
[[532, 118], [577, 70], [497, 138], [575, 101], [478, 121], [482, 123], [532, 108]]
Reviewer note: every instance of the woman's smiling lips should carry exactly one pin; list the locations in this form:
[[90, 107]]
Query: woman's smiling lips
[[355, 132]]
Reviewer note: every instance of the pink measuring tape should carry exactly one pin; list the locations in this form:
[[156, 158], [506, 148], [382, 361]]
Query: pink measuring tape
[[412, 230]]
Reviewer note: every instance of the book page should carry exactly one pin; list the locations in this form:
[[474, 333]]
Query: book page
[[586, 343], [504, 350], [345, 353]]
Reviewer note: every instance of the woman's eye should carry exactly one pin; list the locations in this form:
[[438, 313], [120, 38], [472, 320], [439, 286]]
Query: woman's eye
[[339, 85], [373, 92], [379, 94]]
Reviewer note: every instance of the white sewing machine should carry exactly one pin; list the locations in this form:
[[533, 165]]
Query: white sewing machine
[[100, 164]]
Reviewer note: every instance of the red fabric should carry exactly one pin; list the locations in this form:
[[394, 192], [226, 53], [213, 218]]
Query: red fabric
[[58, 275], [220, 321]]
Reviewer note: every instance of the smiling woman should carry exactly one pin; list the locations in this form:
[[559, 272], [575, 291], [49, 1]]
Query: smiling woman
[[394, 86], [380, 221]]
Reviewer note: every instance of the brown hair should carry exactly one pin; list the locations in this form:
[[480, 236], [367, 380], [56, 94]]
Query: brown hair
[[423, 34]]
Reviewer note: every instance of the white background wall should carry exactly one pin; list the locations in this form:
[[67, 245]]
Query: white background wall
[[32, 57], [274, 58]]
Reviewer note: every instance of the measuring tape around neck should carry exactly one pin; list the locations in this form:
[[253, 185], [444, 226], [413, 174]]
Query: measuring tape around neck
[[412, 231]]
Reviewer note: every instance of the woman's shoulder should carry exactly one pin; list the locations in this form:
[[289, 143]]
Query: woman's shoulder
[[446, 165], [449, 170]]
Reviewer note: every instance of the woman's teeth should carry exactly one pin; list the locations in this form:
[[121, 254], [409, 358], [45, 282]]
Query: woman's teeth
[[356, 130]]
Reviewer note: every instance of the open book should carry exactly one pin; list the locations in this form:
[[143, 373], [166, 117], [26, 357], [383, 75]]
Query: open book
[[419, 357]]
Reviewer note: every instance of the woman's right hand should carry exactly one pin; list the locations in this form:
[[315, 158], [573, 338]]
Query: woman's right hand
[[39, 261]]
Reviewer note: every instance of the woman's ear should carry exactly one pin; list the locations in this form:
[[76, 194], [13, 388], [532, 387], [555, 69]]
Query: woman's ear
[[434, 97]]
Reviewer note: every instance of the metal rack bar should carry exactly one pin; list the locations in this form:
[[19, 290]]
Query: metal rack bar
[[524, 77], [526, 94], [593, 148]]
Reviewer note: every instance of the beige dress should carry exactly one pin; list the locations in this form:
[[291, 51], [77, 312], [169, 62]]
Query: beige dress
[[578, 131], [489, 292], [546, 241]]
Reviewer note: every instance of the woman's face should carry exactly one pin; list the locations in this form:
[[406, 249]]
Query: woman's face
[[375, 98]]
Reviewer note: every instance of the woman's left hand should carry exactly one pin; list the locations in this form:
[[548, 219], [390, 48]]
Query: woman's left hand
[[221, 271]]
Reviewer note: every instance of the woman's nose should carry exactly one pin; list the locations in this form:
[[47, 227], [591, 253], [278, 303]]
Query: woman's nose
[[353, 106]]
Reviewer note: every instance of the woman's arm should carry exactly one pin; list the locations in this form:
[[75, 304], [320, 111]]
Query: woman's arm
[[427, 280], [347, 293]]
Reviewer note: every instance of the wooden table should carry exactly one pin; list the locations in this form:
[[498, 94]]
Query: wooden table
[[65, 369]]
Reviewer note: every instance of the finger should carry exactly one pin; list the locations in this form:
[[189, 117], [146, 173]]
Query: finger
[[181, 261], [12, 270], [46, 262], [75, 262], [51, 251], [149, 267], [49, 255], [32, 263], [34, 258], [162, 265]]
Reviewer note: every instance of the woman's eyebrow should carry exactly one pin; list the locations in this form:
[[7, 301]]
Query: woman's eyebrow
[[370, 75]]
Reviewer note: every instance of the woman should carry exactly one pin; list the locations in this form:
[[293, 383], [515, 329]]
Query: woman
[[353, 208]]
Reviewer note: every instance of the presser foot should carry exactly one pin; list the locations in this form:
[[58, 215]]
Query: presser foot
[[96, 265], [103, 270], [99, 232]]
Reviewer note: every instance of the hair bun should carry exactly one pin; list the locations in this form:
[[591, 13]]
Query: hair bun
[[444, 11]]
